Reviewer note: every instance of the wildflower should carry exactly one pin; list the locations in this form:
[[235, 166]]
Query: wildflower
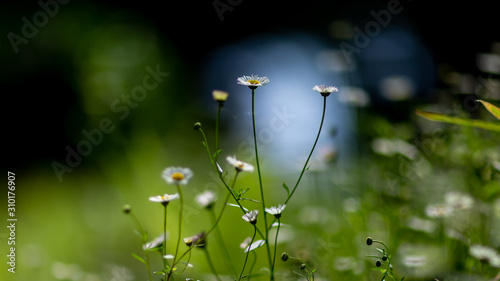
[[369, 241], [164, 199], [206, 199], [325, 90], [197, 240], [253, 81], [245, 243], [177, 175], [239, 165], [458, 200], [485, 254], [438, 211], [254, 245], [156, 243], [127, 209], [251, 216], [220, 96], [276, 211]]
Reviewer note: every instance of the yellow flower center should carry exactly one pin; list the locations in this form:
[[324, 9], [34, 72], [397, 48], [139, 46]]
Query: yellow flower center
[[178, 176], [254, 82]]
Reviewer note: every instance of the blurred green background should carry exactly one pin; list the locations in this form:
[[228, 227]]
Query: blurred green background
[[81, 63]]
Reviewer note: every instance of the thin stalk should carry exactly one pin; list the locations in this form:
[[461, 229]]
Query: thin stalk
[[179, 189], [312, 150], [210, 263], [165, 262], [266, 238], [217, 132], [143, 238], [276, 242], [246, 257], [253, 265], [218, 234]]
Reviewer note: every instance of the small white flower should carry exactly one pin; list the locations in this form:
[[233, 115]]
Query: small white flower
[[253, 81], [254, 245], [245, 243], [325, 90], [459, 200], [239, 165], [206, 199], [438, 210], [164, 199], [156, 243], [485, 254], [251, 216], [276, 211], [177, 175]]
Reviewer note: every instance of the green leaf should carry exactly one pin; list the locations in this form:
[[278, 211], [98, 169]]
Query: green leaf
[[459, 121], [491, 108], [286, 188], [216, 154], [138, 258]]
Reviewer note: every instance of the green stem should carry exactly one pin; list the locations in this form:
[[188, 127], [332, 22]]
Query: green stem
[[217, 133], [210, 264], [218, 234], [165, 262], [312, 150], [253, 265], [144, 241], [180, 224], [276, 242], [266, 238], [246, 257]]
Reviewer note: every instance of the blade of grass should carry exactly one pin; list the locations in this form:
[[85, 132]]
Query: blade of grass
[[491, 108], [459, 121]]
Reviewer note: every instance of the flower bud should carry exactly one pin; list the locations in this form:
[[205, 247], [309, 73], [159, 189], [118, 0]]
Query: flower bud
[[197, 126], [303, 266], [378, 264], [284, 256], [127, 209], [219, 96], [369, 241]]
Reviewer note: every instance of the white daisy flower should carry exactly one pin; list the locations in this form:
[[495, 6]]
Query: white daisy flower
[[206, 199], [239, 165], [164, 199], [485, 254], [177, 175], [251, 216], [276, 211], [253, 81], [438, 210], [254, 245], [325, 90], [458, 200], [156, 243]]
